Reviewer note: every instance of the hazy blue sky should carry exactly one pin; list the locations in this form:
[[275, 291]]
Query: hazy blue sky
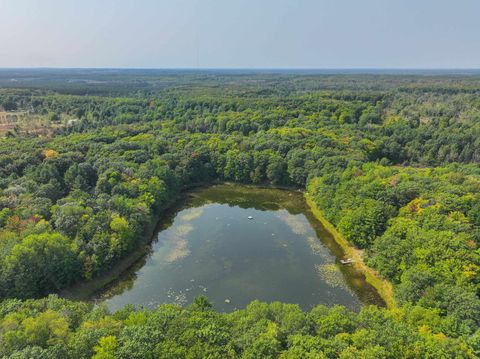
[[240, 33]]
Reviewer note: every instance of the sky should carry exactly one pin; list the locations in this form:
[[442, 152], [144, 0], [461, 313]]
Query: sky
[[312, 34]]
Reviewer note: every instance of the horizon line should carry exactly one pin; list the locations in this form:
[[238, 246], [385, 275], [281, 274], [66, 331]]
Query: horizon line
[[240, 68]]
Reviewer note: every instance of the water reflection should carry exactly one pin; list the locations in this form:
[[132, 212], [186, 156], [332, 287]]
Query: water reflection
[[235, 244]]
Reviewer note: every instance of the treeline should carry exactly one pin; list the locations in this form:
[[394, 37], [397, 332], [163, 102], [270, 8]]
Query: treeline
[[420, 228], [397, 127], [83, 201], [56, 328]]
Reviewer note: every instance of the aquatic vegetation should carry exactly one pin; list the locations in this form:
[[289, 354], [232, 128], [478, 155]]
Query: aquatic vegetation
[[331, 274], [319, 249], [225, 255]]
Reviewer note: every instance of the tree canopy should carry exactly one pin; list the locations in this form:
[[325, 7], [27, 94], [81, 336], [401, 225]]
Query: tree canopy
[[88, 167]]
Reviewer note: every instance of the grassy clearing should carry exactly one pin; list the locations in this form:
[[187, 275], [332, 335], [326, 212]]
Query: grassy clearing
[[383, 287], [25, 123]]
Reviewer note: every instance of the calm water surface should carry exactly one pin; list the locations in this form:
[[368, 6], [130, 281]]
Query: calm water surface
[[210, 247]]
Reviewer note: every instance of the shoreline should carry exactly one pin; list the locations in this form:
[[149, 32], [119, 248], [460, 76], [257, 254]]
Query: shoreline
[[83, 290], [382, 286]]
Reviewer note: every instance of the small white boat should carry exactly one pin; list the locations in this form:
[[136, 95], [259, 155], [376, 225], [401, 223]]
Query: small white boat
[[250, 217], [347, 261]]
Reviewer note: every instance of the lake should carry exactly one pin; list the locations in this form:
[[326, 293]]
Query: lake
[[235, 244]]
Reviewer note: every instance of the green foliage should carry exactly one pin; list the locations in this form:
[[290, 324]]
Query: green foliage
[[106, 348], [49, 328], [48, 261], [419, 227], [362, 224], [392, 161]]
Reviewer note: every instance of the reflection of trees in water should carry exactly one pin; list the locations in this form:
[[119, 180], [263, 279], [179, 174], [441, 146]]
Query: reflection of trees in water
[[118, 287], [177, 224], [263, 199]]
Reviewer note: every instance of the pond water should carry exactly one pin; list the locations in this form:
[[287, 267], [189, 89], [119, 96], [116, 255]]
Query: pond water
[[235, 244]]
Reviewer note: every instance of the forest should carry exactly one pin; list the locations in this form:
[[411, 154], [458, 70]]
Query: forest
[[89, 161]]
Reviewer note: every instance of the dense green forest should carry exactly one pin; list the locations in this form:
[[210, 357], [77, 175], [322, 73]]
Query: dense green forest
[[56, 328], [90, 160]]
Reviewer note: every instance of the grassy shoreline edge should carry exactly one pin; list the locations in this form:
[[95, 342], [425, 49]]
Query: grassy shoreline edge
[[383, 287]]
